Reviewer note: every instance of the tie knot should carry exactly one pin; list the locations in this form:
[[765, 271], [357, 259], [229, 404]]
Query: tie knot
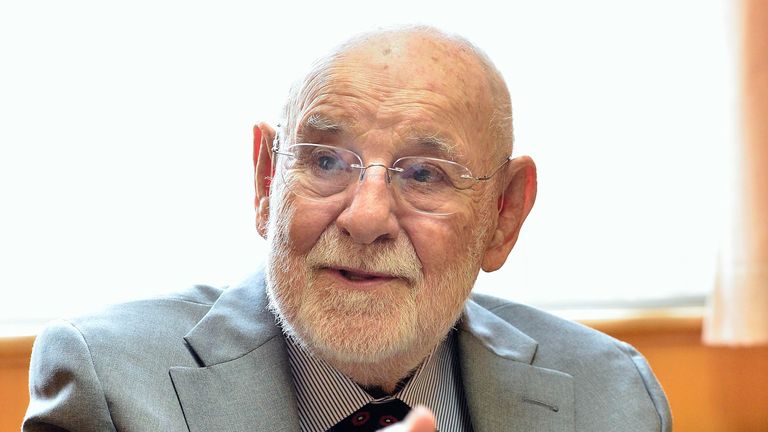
[[374, 416]]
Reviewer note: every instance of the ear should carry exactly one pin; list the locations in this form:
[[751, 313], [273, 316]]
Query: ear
[[263, 135], [515, 203]]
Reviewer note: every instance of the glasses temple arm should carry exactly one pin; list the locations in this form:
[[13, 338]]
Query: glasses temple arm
[[493, 173]]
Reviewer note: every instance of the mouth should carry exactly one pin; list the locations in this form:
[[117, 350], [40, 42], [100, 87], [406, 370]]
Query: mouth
[[359, 277]]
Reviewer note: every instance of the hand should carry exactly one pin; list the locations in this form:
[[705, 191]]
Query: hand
[[420, 419]]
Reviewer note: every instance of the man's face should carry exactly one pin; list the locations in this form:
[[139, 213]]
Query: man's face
[[366, 279]]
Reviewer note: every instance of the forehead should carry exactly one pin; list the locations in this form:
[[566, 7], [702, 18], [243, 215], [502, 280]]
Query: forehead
[[424, 90]]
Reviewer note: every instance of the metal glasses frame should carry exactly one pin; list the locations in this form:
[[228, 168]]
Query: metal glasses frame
[[363, 168]]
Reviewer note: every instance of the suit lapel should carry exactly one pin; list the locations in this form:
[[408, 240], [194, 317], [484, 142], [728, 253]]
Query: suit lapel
[[504, 390], [244, 382]]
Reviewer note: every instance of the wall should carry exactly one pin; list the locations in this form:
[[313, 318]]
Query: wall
[[14, 361], [709, 388]]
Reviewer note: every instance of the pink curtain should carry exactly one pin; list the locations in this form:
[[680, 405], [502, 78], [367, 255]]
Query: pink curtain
[[738, 309]]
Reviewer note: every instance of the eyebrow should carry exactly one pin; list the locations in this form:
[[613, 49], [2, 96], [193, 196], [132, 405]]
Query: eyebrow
[[435, 144], [421, 141], [321, 123]]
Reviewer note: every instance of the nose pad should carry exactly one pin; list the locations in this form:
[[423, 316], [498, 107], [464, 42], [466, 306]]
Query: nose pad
[[368, 183], [364, 169]]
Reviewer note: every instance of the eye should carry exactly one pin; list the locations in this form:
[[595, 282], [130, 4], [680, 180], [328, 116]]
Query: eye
[[318, 159], [424, 173], [326, 161]]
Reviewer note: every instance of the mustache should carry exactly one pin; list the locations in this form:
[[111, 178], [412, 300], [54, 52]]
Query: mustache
[[393, 257]]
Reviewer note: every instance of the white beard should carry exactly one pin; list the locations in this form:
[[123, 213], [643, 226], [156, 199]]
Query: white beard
[[406, 318]]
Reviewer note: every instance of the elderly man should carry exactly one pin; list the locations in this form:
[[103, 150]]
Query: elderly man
[[388, 186]]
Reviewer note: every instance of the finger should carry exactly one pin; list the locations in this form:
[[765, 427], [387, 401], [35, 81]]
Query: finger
[[420, 419]]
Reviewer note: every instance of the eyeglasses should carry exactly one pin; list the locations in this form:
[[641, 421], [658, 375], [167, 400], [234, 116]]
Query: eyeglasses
[[428, 185]]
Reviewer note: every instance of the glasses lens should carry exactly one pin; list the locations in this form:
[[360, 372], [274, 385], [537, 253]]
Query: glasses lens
[[321, 172], [430, 185], [316, 171]]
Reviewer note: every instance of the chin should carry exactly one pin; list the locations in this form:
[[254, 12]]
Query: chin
[[348, 326]]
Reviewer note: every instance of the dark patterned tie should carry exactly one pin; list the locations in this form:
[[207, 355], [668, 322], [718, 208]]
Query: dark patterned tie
[[373, 416]]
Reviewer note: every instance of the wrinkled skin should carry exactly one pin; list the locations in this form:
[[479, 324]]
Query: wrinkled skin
[[384, 97]]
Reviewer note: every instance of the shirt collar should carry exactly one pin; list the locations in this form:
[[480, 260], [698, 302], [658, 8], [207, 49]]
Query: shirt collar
[[326, 396]]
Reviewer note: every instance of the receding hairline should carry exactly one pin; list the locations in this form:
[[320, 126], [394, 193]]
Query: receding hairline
[[500, 122]]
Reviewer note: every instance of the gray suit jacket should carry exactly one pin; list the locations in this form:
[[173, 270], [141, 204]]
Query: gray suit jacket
[[213, 360]]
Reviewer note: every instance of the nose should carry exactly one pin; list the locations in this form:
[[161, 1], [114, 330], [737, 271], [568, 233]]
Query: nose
[[370, 214]]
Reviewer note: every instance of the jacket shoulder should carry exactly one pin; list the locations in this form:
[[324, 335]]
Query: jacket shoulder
[[603, 368], [85, 368], [175, 313], [546, 328]]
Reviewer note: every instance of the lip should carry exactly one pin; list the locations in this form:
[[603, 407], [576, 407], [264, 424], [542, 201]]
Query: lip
[[372, 280]]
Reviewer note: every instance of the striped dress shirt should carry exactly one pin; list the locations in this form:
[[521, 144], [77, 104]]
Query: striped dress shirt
[[325, 396]]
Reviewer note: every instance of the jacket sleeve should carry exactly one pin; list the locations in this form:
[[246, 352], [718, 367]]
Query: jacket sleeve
[[652, 386], [64, 390]]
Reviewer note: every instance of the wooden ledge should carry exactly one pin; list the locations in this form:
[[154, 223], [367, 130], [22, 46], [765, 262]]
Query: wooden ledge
[[639, 321], [610, 321], [15, 350]]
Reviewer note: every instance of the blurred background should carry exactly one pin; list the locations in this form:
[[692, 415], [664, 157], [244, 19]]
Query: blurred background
[[125, 157], [126, 140]]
